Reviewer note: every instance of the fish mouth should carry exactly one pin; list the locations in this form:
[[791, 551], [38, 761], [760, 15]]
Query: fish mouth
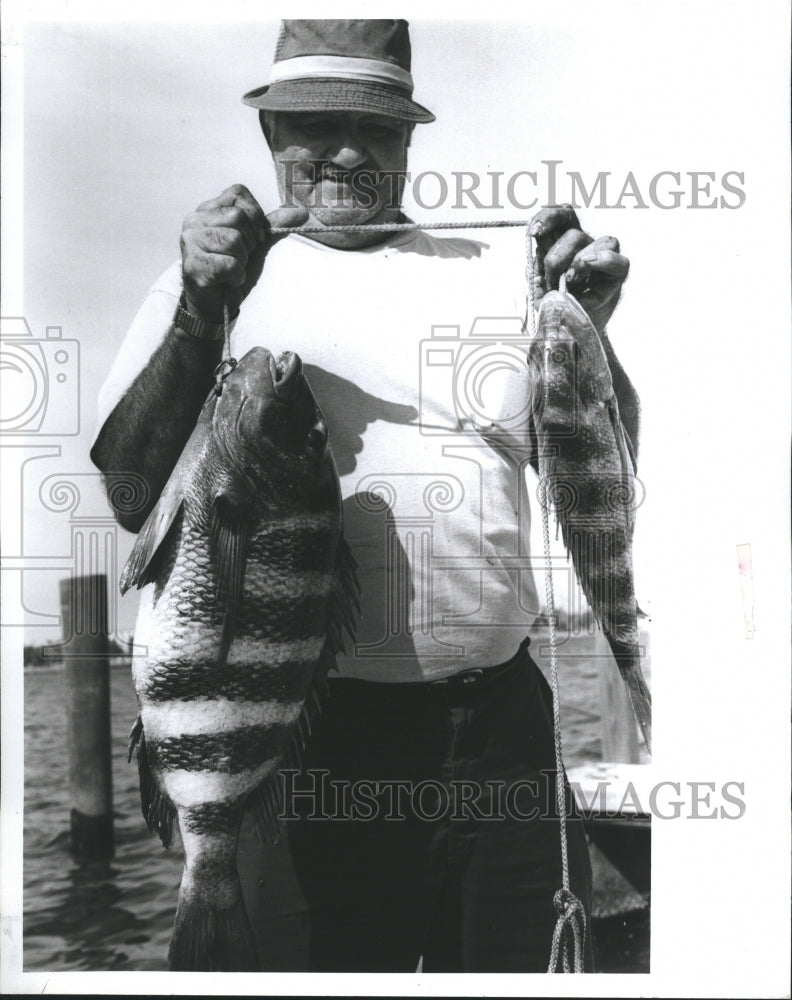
[[285, 371], [555, 303]]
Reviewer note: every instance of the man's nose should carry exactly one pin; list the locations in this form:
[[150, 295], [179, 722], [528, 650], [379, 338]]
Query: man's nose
[[348, 155]]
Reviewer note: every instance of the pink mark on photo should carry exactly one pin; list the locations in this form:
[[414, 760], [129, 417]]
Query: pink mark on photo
[[746, 587]]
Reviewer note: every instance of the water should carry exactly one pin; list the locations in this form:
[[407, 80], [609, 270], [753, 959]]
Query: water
[[118, 914], [106, 915]]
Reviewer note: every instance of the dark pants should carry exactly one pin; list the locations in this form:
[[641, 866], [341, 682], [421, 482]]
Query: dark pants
[[443, 865]]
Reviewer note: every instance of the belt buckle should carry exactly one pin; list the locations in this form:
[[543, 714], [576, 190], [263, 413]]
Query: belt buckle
[[462, 679]]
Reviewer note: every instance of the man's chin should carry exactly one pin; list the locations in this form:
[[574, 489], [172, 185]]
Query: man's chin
[[344, 215]]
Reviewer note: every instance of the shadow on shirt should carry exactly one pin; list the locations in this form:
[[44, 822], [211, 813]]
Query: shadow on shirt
[[348, 411], [384, 648], [384, 569]]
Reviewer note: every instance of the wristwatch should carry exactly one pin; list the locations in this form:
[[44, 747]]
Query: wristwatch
[[194, 327]]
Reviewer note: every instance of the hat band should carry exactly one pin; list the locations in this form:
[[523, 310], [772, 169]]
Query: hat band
[[342, 68]]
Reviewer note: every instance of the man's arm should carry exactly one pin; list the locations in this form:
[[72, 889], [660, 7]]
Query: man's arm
[[146, 432]]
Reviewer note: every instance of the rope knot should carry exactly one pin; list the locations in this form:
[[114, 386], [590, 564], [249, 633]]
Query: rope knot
[[221, 373], [566, 903], [569, 933]]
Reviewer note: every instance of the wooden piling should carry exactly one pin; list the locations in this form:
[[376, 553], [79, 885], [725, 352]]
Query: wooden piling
[[87, 668]]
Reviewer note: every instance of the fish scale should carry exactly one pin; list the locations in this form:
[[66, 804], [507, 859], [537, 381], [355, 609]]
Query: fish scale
[[247, 585], [186, 681]]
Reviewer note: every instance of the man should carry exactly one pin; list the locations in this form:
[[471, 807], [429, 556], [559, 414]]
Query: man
[[454, 856]]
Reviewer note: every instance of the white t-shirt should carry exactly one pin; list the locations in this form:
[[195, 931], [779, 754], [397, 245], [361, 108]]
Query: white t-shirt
[[415, 352]]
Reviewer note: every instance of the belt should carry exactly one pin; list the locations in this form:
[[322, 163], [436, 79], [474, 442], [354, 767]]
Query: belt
[[464, 681]]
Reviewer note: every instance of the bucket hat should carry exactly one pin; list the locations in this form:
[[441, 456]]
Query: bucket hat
[[329, 65]]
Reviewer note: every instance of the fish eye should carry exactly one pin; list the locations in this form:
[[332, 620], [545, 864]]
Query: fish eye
[[316, 440]]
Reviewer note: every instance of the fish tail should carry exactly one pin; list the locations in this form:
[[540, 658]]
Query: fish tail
[[640, 696], [158, 811], [212, 937], [642, 703]]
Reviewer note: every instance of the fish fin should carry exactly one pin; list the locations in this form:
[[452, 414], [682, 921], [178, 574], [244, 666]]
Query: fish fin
[[142, 566], [586, 550], [265, 808], [344, 609], [265, 804], [134, 737], [158, 810], [319, 690], [143, 562], [534, 444], [627, 656], [207, 938], [623, 443], [631, 449], [590, 549], [640, 613], [229, 528]]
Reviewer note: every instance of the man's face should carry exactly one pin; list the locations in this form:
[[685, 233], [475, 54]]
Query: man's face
[[346, 168]]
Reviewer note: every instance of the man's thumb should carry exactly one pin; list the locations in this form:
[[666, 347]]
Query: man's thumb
[[283, 218]]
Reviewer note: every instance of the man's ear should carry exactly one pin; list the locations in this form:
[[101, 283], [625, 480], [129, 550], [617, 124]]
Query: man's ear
[[267, 123]]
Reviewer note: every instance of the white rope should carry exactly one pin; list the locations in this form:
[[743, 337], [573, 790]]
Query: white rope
[[571, 922], [571, 915], [396, 227], [228, 363], [530, 295], [226, 331]]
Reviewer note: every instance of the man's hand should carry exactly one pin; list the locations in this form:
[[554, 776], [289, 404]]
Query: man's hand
[[223, 245], [595, 269]]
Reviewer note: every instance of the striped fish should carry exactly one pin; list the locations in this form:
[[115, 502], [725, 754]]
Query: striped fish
[[587, 469], [247, 585]]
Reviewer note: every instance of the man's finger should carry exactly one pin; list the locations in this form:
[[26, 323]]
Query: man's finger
[[237, 196], [559, 257], [245, 200], [538, 289], [550, 222], [223, 240], [211, 269], [237, 192], [223, 219], [607, 243], [597, 261], [284, 218], [234, 217]]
